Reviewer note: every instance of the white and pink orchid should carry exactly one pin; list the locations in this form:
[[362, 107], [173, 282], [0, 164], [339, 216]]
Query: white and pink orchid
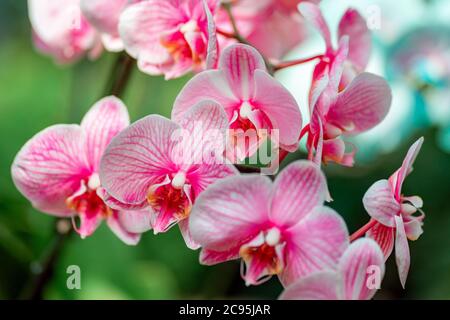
[[241, 85], [351, 280], [353, 26], [58, 171], [362, 105], [279, 228], [62, 31], [168, 37], [148, 166], [104, 16], [393, 219]]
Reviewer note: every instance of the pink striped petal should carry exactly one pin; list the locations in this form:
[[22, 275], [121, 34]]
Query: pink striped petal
[[311, 12], [353, 25], [211, 257], [407, 166], [142, 25], [203, 119], [402, 256], [384, 236], [212, 55], [277, 34], [380, 203], [317, 286], [104, 14], [316, 243], [115, 204], [279, 106], [49, 168], [239, 62], [185, 232], [101, 123], [413, 228], [121, 232], [230, 212], [135, 221], [299, 188], [201, 151], [207, 85], [363, 104], [137, 158], [338, 64], [361, 260]]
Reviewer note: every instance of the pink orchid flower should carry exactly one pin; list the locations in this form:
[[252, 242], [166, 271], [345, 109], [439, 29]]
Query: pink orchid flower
[[168, 37], [104, 16], [392, 213], [276, 228], [241, 86], [146, 166], [353, 26], [62, 31], [274, 27], [351, 281], [362, 105], [57, 170]]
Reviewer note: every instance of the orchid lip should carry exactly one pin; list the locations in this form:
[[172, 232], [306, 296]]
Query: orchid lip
[[263, 256]]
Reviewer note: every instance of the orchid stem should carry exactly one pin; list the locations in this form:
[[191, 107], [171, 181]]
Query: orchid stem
[[46, 267], [120, 75], [362, 231], [247, 169], [287, 64]]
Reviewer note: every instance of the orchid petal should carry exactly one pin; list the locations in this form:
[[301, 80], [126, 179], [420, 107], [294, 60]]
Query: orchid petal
[[211, 257], [316, 243], [212, 56], [279, 106], [299, 188], [239, 63], [141, 26], [230, 212], [380, 203], [413, 229], [362, 258], [363, 104], [311, 12], [184, 229], [317, 286], [116, 226], [137, 158], [407, 166], [49, 167], [353, 25], [384, 236], [207, 85], [402, 256], [135, 221], [104, 14], [101, 123]]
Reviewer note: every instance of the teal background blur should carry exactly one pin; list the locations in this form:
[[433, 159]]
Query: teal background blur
[[36, 93]]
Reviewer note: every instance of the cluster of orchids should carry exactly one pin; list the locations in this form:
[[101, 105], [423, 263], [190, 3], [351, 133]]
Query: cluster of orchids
[[187, 171]]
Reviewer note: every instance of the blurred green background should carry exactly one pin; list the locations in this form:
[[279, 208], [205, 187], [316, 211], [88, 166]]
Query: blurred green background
[[35, 93]]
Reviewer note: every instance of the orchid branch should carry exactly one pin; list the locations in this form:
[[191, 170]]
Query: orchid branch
[[287, 64]]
